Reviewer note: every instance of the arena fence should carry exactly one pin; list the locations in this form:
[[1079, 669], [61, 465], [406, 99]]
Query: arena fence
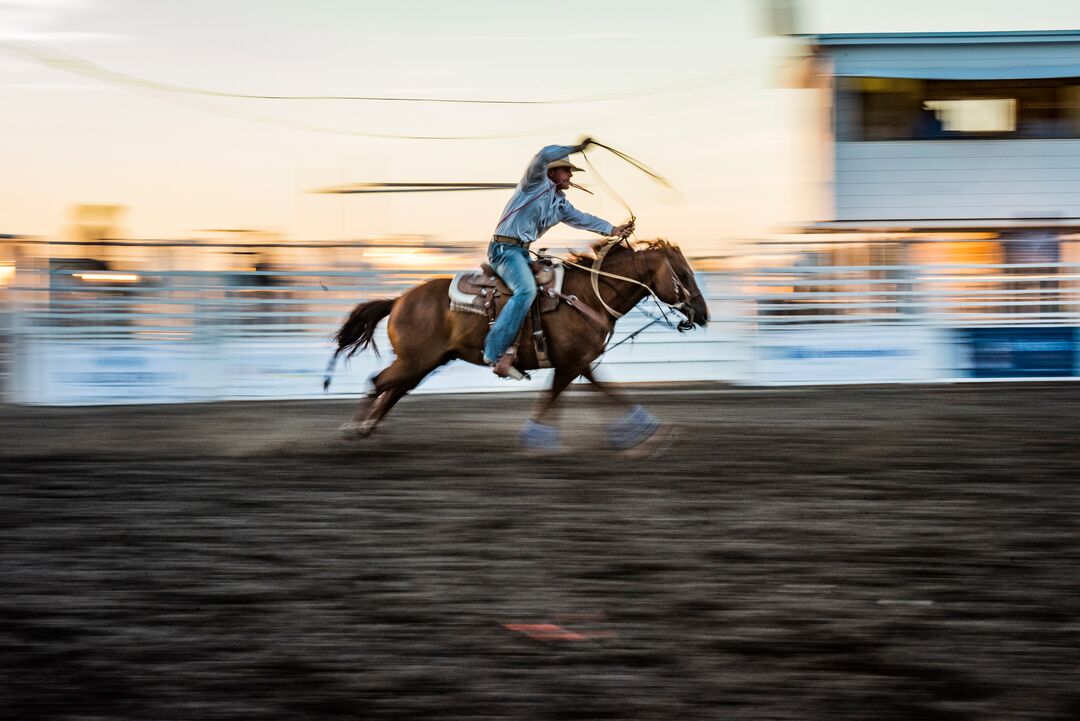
[[88, 337], [925, 323]]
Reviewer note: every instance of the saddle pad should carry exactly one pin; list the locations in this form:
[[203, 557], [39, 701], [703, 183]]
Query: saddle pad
[[473, 303]]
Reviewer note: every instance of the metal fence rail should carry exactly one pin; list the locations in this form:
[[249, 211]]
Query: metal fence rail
[[265, 334], [199, 335], [934, 295]]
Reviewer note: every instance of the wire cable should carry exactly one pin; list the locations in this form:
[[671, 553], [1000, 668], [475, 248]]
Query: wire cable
[[81, 66]]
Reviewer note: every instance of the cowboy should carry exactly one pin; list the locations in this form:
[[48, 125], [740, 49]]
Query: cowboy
[[538, 204]]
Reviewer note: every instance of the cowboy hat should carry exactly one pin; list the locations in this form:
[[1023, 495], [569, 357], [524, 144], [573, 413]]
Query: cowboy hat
[[564, 163]]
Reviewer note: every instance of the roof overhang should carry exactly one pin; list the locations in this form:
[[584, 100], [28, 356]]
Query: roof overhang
[[953, 56], [965, 38]]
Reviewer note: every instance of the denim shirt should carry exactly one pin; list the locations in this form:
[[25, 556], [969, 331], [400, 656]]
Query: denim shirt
[[537, 205]]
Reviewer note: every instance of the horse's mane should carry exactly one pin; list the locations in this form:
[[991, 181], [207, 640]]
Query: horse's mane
[[621, 249]]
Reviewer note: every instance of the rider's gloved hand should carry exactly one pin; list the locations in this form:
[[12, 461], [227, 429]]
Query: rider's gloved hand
[[623, 231], [585, 142]]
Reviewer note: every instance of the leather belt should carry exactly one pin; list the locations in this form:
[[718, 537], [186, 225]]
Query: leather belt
[[508, 239]]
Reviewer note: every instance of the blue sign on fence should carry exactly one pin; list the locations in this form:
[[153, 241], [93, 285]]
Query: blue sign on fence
[[1017, 352]]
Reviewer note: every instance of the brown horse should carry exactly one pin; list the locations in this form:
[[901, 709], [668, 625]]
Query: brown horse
[[426, 333]]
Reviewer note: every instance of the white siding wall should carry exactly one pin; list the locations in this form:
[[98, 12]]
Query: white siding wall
[[945, 179]]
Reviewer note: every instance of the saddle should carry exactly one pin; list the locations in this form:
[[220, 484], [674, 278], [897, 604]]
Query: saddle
[[484, 293], [472, 292]]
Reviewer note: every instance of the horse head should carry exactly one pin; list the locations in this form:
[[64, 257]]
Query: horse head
[[673, 281]]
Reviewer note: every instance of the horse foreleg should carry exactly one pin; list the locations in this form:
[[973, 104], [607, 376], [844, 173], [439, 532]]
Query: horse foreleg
[[562, 379], [536, 435], [637, 433], [610, 393]]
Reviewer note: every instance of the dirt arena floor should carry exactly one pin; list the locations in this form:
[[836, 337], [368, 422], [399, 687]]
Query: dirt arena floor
[[825, 553]]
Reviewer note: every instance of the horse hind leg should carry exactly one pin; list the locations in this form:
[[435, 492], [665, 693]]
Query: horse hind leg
[[357, 426], [388, 399], [390, 386], [609, 393]]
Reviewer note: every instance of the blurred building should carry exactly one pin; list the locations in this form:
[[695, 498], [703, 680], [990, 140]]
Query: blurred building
[[951, 238], [959, 148], [934, 134]]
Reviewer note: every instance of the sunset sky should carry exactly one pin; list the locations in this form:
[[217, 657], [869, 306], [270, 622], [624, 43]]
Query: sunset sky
[[691, 88]]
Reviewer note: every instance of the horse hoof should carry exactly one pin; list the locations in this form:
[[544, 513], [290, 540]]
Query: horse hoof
[[537, 439], [352, 430], [652, 447]]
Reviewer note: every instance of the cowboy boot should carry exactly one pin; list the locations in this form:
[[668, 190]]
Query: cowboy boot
[[504, 367]]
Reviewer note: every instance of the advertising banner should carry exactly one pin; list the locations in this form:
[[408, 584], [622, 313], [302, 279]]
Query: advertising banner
[[1018, 352], [94, 373], [846, 354]]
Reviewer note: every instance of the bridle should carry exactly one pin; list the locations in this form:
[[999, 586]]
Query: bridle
[[684, 303]]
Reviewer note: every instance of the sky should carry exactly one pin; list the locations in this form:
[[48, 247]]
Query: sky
[[694, 89]]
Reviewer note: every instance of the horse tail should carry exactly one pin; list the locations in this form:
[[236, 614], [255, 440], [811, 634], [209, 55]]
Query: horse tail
[[358, 332]]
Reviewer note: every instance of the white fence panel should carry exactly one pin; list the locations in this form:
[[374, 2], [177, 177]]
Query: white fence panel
[[851, 354], [97, 372], [191, 336]]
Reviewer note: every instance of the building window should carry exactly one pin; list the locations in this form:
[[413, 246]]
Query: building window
[[990, 115], [873, 109]]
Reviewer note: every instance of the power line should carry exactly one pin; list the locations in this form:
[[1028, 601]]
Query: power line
[[360, 188], [197, 97], [80, 66]]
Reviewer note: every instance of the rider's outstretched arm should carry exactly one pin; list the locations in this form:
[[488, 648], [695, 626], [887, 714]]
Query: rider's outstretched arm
[[583, 221], [536, 172]]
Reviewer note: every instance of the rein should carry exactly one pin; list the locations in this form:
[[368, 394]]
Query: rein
[[594, 270]]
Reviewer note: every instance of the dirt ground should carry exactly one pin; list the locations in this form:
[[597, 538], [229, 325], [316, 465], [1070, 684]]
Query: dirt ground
[[825, 553]]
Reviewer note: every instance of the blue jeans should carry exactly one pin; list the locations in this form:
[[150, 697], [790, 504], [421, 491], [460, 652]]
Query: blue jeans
[[512, 264]]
